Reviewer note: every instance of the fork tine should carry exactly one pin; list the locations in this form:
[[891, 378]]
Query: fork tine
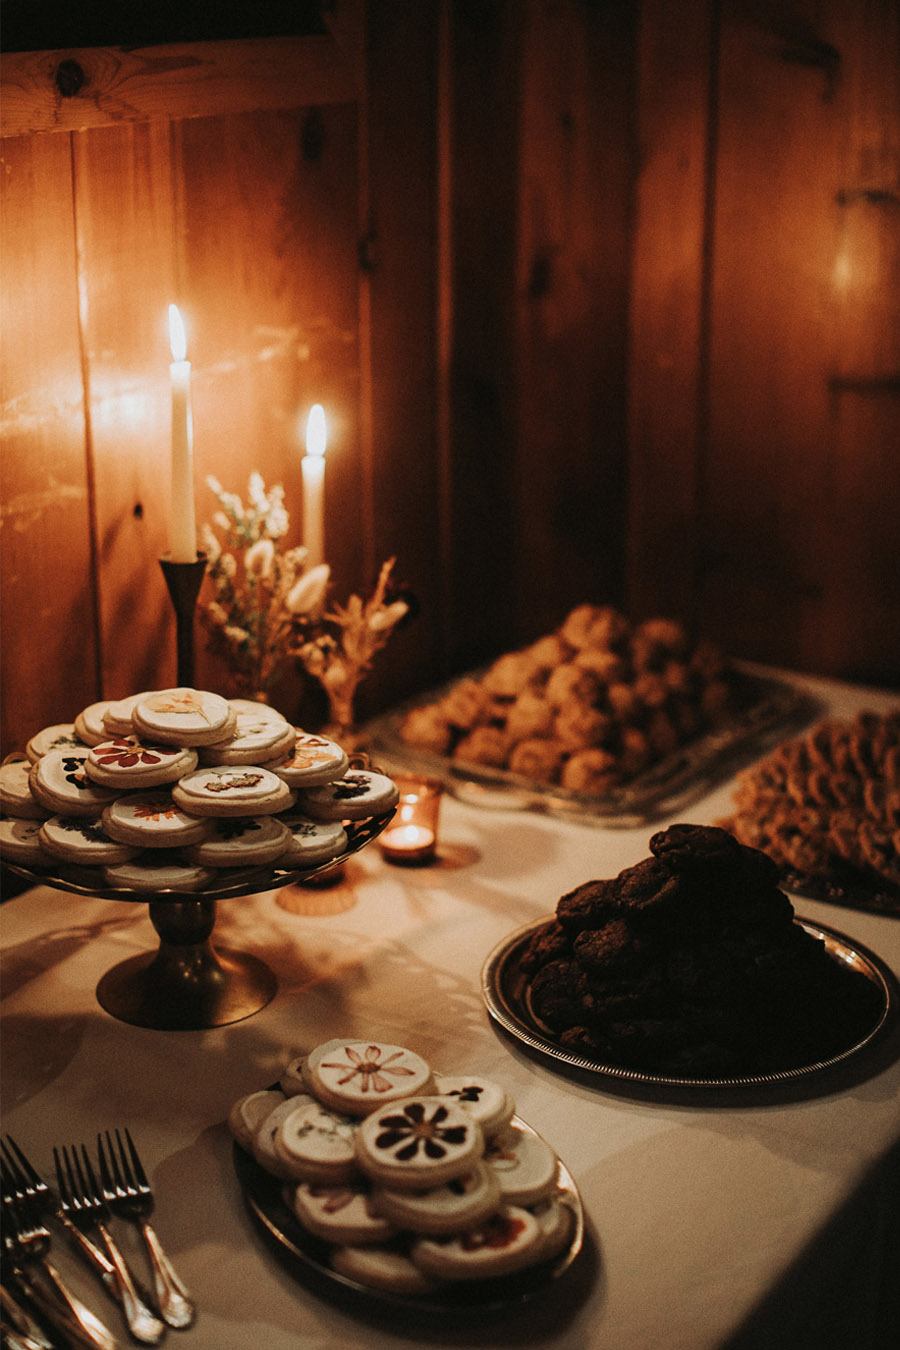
[[117, 1183], [138, 1166], [62, 1185], [30, 1172], [96, 1192], [106, 1180], [10, 1169], [128, 1181]]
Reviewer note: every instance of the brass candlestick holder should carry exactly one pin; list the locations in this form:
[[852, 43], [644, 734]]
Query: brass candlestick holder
[[184, 580]]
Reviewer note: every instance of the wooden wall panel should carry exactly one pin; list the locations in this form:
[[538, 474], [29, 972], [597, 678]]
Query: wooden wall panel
[[124, 225], [48, 617]]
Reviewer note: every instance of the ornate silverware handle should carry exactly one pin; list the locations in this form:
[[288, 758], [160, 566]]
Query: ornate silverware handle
[[80, 1322], [174, 1301], [91, 1252], [142, 1321]]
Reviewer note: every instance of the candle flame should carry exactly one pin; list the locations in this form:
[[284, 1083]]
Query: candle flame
[[177, 339], [316, 437]]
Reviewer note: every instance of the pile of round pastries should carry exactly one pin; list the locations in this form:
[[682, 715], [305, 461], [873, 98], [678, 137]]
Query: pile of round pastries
[[690, 963], [181, 789], [412, 1178], [587, 707]]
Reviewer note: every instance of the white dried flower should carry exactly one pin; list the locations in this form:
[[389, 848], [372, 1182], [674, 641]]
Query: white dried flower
[[259, 558], [387, 616], [308, 591], [221, 520], [211, 546], [256, 491], [237, 635], [217, 613], [228, 565]]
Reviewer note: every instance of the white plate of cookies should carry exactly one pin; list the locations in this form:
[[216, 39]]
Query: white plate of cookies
[[379, 1175]]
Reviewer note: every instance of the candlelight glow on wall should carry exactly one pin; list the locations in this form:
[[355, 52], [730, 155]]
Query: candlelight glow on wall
[[312, 466], [182, 521]]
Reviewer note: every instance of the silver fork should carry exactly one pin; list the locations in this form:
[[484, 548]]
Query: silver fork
[[83, 1202], [27, 1243], [28, 1184], [127, 1192]]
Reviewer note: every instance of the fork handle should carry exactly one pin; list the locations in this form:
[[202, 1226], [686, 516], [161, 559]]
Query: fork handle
[[142, 1321], [94, 1256], [172, 1298], [80, 1322]]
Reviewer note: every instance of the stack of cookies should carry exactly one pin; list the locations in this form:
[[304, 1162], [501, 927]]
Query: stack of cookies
[[588, 707], [181, 789], [826, 805], [690, 963], [410, 1177]]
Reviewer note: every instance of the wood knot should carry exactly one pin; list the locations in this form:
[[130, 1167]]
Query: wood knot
[[70, 79]]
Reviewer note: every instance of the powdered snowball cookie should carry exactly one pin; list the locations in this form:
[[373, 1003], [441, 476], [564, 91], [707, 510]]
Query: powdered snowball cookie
[[537, 759], [592, 772], [510, 674], [530, 715], [484, 745], [428, 728], [465, 704], [568, 682]]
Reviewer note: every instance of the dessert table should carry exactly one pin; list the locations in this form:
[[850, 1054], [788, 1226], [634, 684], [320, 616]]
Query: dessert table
[[759, 1217]]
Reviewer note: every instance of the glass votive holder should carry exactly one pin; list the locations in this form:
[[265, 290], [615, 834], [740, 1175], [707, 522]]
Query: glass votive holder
[[411, 838]]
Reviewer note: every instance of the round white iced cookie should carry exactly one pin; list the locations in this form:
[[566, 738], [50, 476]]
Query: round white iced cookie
[[381, 1268], [263, 711], [249, 841], [256, 740], [359, 794], [158, 872], [126, 762], [311, 841], [317, 1144], [20, 842], [459, 1204], [152, 820], [89, 724], [117, 715], [526, 1167], [262, 1145], [418, 1143], [83, 841], [248, 1113], [292, 1082], [59, 782], [342, 1215], [62, 736], [311, 760], [555, 1222], [244, 790], [15, 791], [359, 1076], [183, 717], [509, 1240], [490, 1105]]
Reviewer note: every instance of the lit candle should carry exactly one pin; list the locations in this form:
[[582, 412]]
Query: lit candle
[[312, 466], [182, 522], [411, 836]]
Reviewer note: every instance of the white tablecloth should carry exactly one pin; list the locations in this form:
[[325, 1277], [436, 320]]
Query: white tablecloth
[[754, 1222]]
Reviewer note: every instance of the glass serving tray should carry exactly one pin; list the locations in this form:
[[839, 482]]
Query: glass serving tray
[[506, 991], [768, 708], [308, 1256]]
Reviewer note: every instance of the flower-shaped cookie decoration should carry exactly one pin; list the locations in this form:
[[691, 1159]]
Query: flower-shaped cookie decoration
[[499, 1232], [370, 1068], [352, 785], [336, 1197], [467, 1094], [178, 701], [415, 1129], [153, 811], [126, 753]]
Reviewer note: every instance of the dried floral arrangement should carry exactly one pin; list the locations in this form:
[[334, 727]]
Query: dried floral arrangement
[[269, 608]]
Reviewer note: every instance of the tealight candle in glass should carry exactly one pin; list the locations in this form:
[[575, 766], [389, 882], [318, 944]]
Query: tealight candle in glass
[[412, 836]]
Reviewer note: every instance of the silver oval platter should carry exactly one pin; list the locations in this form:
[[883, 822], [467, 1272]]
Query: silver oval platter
[[505, 989]]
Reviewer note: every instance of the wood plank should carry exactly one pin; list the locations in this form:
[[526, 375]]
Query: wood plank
[[81, 87], [267, 261], [574, 197], [125, 232], [668, 299], [49, 668]]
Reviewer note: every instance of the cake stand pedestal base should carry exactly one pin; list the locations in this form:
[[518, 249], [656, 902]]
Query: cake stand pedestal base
[[186, 985]]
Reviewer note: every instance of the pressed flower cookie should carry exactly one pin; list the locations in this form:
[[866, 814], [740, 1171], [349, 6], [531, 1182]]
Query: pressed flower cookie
[[58, 781], [255, 740], [152, 820], [249, 1112], [380, 1267], [80, 840], [158, 872], [359, 1076], [116, 716], [418, 1143], [248, 841], [340, 1214], [509, 1240], [311, 841], [242, 790], [126, 762], [311, 760], [526, 1167], [356, 796], [89, 724], [62, 736], [316, 1144], [459, 1204], [20, 842], [262, 1145], [15, 791], [485, 1101], [183, 717]]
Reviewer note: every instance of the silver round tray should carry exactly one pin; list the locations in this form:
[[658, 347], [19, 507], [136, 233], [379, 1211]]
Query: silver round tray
[[505, 989], [308, 1256]]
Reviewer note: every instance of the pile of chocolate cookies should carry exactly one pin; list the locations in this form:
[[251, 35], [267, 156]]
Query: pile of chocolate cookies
[[690, 963]]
